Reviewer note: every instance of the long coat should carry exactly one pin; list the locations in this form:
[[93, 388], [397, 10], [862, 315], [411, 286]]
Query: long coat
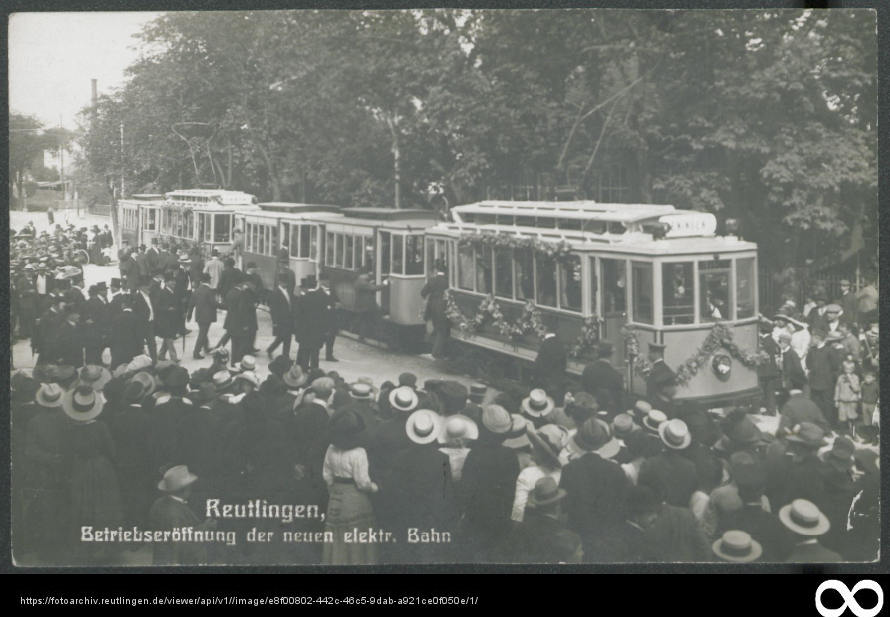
[[167, 315], [315, 318], [601, 375], [281, 305], [126, 339], [46, 334], [234, 322], [129, 428], [69, 345], [550, 363], [434, 292], [204, 304], [167, 514], [365, 295], [595, 500]]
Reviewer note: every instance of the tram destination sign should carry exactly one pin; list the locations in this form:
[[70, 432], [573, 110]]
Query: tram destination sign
[[689, 225]]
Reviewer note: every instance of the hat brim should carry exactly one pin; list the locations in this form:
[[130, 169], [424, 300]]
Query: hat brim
[[527, 408], [797, 439], [612, 447], [819, 530], [295, 384], [539, 445], [756, 552], [687, 439], [45, 403], [190, 479], [99, 384], [557, 496], [414, 399], [472, 430], [652, 428], [82, 416], [433, 435]]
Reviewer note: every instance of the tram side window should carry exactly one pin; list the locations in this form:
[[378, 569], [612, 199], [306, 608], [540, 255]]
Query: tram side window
[[222, 228], [206, 230], [329, 249], [149, 222], [307, 242], [678, 293], [349, 257], [273, 245], [570, 283], [414, 254], [338, 250], [503, 264], [466, 272], [523, 260], [614, 286], [714, 290], [641, 275], [370, 255], [745, 293], [398, 256], [430, 258], [483, 269], [545, 280]]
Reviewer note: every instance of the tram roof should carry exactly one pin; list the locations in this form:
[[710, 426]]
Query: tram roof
[[591, 210], [146, 197], [281, 207], [214, 196], [390, 214]]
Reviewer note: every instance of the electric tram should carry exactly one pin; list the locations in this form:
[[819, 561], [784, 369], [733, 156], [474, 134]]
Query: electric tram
[[624, 273]]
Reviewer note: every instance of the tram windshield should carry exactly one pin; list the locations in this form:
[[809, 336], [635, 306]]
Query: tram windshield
[[678, 299], [714, 290]]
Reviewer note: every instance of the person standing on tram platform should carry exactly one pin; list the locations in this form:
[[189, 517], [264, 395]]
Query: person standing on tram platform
[[436, 310]]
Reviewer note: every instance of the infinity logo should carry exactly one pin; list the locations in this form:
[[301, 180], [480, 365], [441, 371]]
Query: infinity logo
[[849, 599]]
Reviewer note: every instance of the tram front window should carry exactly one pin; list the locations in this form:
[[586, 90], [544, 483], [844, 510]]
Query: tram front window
[[745, 293], [545, 279], [714, 290], [614, 286], [222, 228], [503, 261], [642, 292], [483, 269], [465, 272], [525, 269], [678, 294]]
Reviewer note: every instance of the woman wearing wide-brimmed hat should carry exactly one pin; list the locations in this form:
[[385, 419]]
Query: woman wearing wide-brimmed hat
[[93, 485], [345, 472]]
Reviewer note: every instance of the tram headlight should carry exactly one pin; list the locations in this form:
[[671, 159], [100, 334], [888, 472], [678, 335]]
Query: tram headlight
[[722, 366]]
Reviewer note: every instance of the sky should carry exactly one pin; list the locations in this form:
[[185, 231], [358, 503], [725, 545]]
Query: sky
[[53, 57]]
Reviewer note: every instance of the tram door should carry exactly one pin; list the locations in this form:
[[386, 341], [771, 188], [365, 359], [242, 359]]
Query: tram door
[[383, 269], [613, 286]]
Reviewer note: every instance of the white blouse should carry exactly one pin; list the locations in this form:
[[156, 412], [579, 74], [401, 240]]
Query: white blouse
[[525, 484], [352, 464]]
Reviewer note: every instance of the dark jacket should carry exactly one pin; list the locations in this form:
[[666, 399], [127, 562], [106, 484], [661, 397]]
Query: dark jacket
[[167, 514], [768, 345], [141, 310], [595, 501], [763, 526], [540, 539], [130, 271], [315, 318], [203, 304], [602, 375], [792, 370], [365, 295], [166, 315], [281, 306], [550, 363], [678, 475], [819, 365], [434, 292], [234, 322], [126, 340], [799, 408], [69, 344]]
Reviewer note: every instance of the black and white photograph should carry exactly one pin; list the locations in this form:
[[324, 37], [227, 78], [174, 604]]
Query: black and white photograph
[[444, 286]]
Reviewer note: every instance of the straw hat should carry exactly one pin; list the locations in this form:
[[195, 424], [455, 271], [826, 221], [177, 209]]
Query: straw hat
[[295, 377], [222, 379], [149, 383], [537, 404], [362, 391], [95, 376], [424, 426], [517, 435], [250, 377], [50, 395], [654, 419], [457, 427], [804, 517], [403, 399], [177, 478], [82, 404], [545, 447], [496, 419], [675, 434], [623, 425], [737, 546], [248, 363]]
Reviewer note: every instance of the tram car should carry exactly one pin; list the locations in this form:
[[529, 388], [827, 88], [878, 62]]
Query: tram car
[[190, 217], [624, 273], [276, 232]]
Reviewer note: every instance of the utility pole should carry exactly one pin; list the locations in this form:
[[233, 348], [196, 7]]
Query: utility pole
[[122, 159]]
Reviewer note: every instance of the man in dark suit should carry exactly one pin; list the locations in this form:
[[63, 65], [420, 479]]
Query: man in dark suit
[[69, 338], [768, 372], [95, 325], [848, 302], [126, 334], [793, 376], [234, 322], [679, 475], [313, 317], [130, 271], [324, 285], [541, 537], [281, 308], [203, 307], [153, 257], [46, 344], [366, 304], [172, 511], [629, 542], [28, 301], [550, 365], [660, 374], [228, 278], [168, 318], [821, 376], [602, 376], [311, 428], [285, 271], [436, 305], [145, 313], [114, 302], [596, 490], [182, 294]]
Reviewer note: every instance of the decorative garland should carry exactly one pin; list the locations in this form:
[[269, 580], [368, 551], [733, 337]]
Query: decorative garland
[[720, 337], [561, 250], [529, 322]]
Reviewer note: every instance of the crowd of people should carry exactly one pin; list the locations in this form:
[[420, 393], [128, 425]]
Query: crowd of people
[[435, 472]]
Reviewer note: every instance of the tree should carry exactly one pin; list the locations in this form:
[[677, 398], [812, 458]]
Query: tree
[[27, 140]]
